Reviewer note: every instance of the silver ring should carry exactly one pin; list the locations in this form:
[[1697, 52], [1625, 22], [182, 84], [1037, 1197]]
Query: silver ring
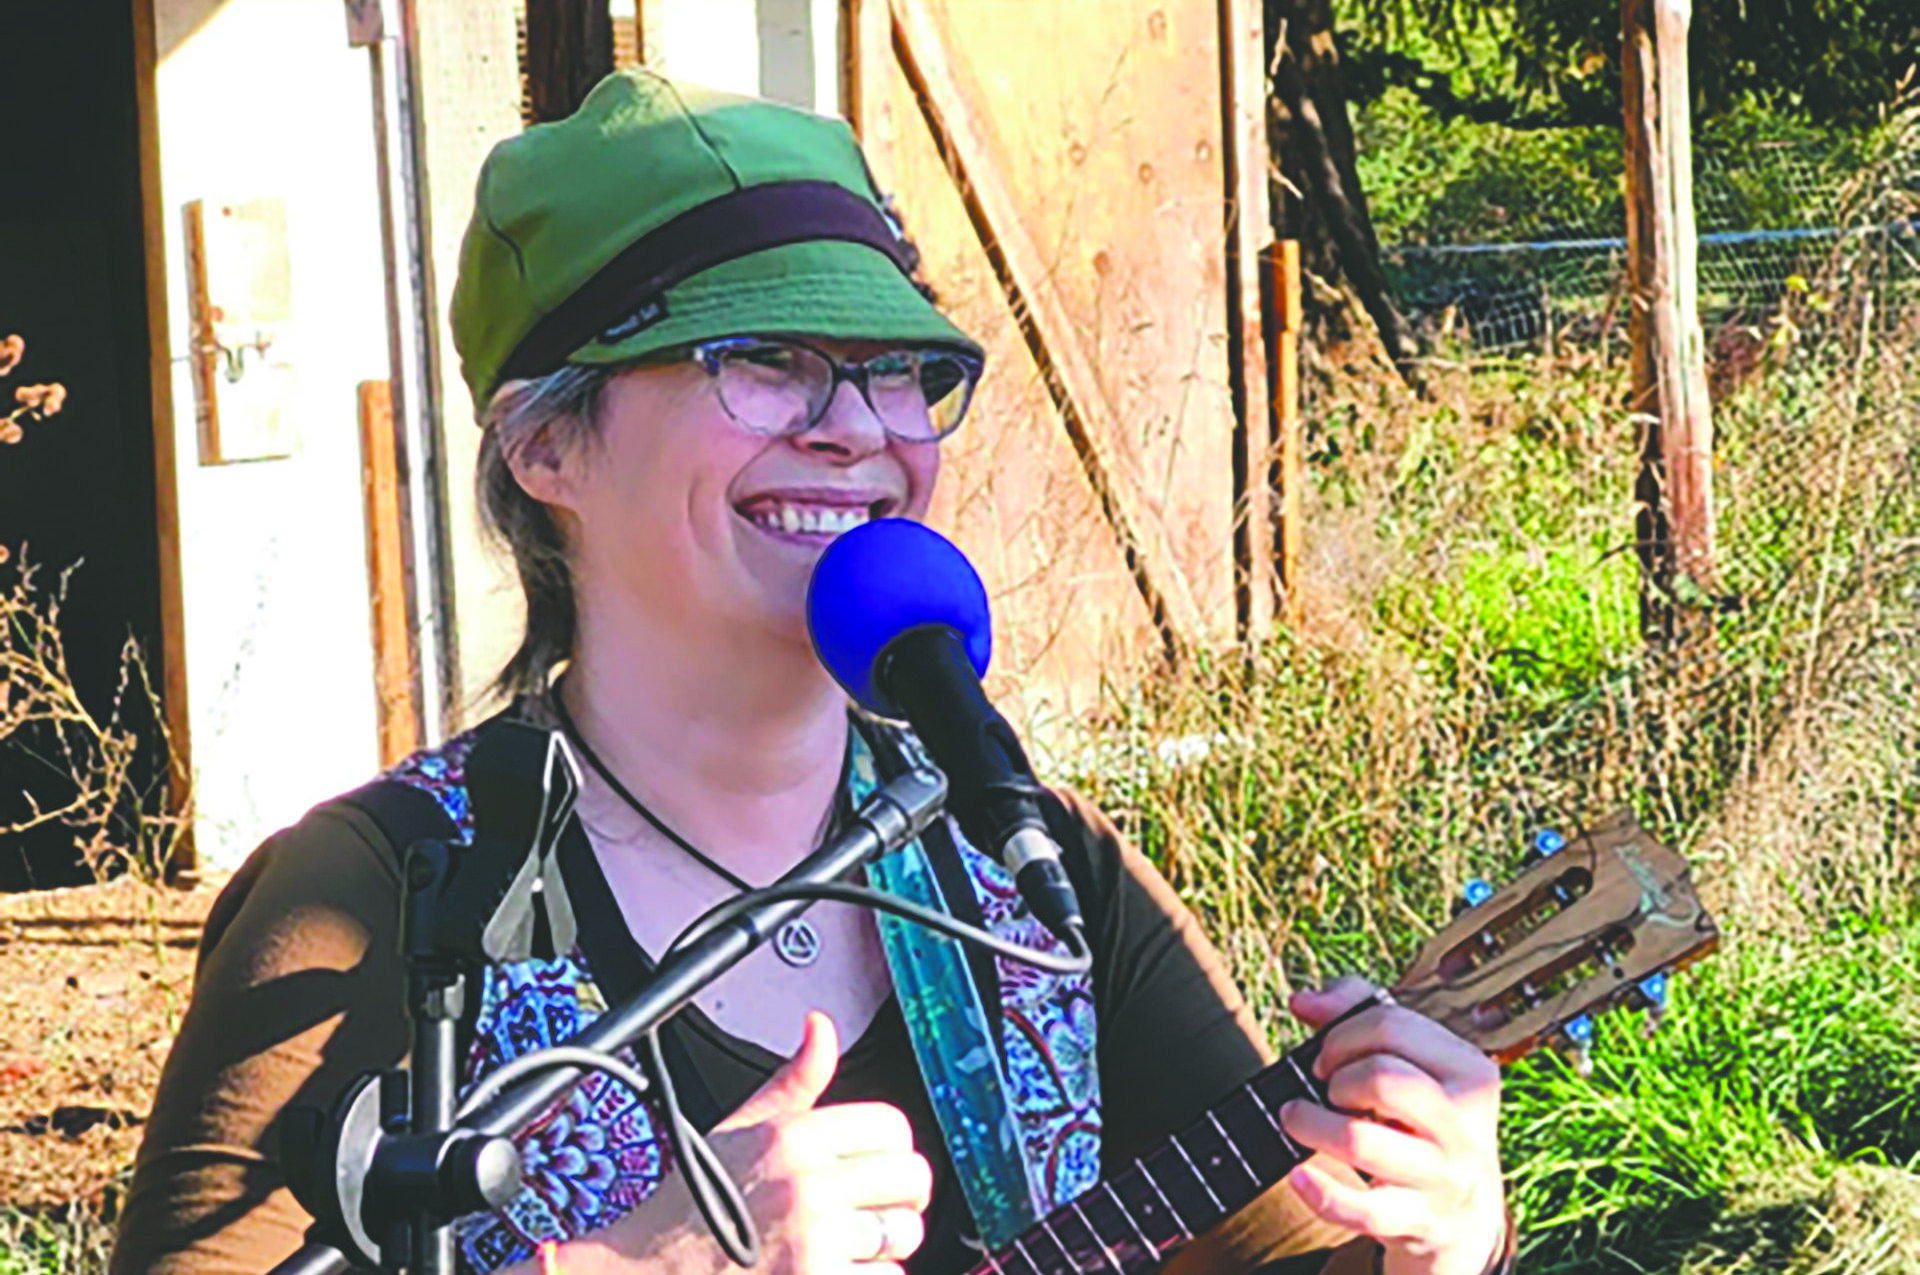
[[877, 1251], [890, 1246]]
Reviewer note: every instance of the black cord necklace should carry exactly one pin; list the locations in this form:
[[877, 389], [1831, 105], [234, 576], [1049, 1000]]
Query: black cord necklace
[[796, 942]]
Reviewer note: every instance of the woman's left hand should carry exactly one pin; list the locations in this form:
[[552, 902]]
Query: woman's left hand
[[1424, 1129]]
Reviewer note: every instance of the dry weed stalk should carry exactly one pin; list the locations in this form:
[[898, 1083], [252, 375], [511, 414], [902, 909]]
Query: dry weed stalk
[[123, 821]]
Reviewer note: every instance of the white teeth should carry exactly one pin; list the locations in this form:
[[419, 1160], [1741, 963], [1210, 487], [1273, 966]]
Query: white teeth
[[798, 520]]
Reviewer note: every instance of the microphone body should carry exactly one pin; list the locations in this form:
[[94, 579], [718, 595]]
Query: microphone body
[[899, 617], [996, 799]]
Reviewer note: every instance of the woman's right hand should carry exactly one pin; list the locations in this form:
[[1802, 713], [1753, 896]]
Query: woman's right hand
[[831, 1189]]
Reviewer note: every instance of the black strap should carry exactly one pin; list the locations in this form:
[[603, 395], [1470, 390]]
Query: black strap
[[628, 291], [406, 816]]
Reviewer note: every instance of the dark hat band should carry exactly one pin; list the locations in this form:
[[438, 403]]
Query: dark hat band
[[632, 287]]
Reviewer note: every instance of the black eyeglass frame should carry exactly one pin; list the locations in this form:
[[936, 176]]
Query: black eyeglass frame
[[707, 354]]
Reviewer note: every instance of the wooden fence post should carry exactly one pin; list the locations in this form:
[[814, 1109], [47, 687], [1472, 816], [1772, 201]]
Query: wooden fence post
[[1248, 240], [1285, 479], [1674, 490]]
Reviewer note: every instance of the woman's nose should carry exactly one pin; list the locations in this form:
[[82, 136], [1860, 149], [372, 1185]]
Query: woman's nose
[[850, 426]]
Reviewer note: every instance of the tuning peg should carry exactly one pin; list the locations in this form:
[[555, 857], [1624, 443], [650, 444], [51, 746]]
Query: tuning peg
[[1651, 995], [1575, 1043], [1472, 895]]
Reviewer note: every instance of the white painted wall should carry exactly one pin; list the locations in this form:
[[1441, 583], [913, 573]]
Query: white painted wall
[[263, 98], [788, 50]]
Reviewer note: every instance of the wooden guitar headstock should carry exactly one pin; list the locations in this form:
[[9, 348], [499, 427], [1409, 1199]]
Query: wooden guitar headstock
[[1595, 922]]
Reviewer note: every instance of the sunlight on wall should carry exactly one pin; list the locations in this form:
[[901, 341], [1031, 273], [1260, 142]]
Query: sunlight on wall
[[263, 99]]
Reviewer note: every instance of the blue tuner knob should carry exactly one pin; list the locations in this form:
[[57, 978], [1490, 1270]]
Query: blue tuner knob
[[1547, 841], [1579, 1030], [1654, 988], [1477, 892]]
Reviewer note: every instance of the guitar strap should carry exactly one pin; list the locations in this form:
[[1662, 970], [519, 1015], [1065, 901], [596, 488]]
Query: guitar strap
[[953, 1036]]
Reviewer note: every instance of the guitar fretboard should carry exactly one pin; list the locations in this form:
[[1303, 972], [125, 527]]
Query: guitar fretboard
[[1129, 1223]]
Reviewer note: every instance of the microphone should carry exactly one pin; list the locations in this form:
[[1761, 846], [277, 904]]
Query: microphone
[[899, 617]]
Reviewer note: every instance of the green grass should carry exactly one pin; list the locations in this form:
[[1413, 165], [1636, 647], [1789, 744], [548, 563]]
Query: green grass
[[1779, 1061], [1471, 670], [72, 1242]]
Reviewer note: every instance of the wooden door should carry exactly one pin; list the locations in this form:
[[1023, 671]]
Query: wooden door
[[1071, 171]]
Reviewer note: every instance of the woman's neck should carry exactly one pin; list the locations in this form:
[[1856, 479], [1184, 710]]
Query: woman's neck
[[733, 738]]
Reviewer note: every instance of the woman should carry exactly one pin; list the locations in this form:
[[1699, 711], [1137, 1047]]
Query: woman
[[698, 354]]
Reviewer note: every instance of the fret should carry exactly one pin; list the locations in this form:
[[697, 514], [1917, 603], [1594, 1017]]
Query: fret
[[1277, 1086], [1227, 1179], [1044, 1249], [1269, 1153], [1205, 1185], [1174, 1215], [1011, 1260], [1141, 1200], [1213, 1117], [1177, 1175], [1083, 1244], [1097, 1208], [1308, 1081]]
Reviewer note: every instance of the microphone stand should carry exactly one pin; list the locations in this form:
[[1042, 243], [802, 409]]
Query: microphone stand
[[387, 1173]]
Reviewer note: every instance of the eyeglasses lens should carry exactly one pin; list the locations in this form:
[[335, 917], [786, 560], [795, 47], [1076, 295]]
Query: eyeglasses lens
[[919, 395]]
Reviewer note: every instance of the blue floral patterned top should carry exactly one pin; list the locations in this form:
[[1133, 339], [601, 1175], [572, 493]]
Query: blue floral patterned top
[[600, 1154]]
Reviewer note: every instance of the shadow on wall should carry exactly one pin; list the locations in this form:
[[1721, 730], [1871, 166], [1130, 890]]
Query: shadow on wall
[[175, 21]]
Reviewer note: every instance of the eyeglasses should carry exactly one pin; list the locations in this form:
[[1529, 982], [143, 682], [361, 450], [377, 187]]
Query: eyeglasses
[[782, 387]]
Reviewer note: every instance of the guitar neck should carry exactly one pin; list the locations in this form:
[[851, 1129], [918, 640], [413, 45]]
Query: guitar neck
[[1591, 924], [1131, 1222]]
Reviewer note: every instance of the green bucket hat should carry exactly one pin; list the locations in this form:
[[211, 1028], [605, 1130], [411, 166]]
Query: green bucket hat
[[660, 215]]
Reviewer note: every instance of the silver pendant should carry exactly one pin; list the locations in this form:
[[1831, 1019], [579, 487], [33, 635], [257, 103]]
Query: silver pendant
[[797, 943]]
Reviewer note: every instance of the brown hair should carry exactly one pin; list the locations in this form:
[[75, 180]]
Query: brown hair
[[566, 405]]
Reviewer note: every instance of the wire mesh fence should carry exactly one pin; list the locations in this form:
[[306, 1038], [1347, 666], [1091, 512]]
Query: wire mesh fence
[[1808, 616], [1770, 217]]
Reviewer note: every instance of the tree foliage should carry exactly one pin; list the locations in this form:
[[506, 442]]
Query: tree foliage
[[1832, 62]]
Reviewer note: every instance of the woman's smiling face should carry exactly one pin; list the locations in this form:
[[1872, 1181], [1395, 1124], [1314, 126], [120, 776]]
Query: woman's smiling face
[[688, 514]]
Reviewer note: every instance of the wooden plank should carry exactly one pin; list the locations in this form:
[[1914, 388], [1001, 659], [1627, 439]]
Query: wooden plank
[[944, 91], [396, 653], [183, 867], [395, 446], [1248, 234]]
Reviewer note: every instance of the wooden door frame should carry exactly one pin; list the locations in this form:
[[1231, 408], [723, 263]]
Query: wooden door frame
[[184, 865]]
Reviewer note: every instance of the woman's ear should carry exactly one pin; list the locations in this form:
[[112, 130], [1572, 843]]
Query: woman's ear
[[539, 464]]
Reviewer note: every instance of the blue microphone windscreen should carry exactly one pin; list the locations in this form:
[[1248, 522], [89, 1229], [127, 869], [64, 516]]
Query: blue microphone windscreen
[[881, 580]]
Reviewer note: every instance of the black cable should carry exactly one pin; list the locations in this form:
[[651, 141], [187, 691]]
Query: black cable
[[880, 901], [502, 1078], [722, 1207]]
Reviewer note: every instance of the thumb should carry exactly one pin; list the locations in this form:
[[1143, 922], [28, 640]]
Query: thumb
[[799, 1082]]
